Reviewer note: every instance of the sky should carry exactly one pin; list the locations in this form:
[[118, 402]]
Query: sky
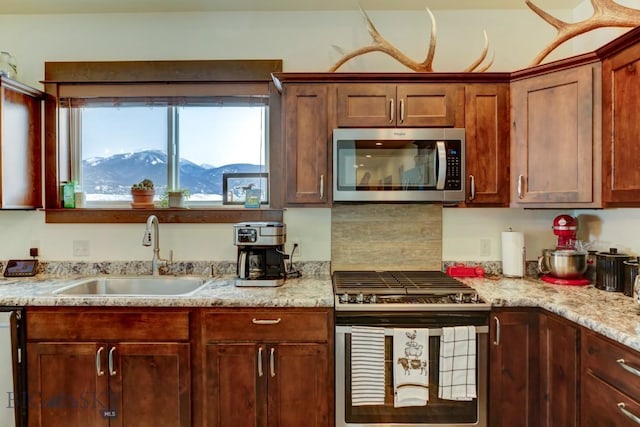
[[231, 135]]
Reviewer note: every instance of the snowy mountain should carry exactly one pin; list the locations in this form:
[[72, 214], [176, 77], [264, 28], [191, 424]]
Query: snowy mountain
[[116, 174]]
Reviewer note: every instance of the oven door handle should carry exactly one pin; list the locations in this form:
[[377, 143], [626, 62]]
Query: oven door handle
[[433, 332]]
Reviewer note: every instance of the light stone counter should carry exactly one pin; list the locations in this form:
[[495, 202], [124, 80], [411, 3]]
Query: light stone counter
[[611, 314], [314, 291]]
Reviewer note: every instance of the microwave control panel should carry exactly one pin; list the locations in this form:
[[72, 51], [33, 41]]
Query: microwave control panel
[[454, 168]]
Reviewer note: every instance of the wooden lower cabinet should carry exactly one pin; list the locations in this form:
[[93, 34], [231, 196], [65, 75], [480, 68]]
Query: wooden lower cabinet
[[559, 372], [268, 368], [610, 383], [513, 368], [79, 374]]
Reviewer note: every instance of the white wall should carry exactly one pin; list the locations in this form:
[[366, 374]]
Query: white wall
[[304, 41]]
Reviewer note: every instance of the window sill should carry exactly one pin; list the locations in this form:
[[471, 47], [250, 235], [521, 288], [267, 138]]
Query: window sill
[[165, 215]]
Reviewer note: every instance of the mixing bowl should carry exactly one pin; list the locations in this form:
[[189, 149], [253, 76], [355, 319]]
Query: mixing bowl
[[563, 263]]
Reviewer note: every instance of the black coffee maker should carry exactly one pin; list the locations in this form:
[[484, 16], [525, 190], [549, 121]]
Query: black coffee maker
[[261, 256]]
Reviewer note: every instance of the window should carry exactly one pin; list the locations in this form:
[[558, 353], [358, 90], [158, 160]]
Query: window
[[179, 146], [189, 121]]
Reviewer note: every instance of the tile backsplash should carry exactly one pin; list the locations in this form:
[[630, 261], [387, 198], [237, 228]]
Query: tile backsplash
[[386, 237]]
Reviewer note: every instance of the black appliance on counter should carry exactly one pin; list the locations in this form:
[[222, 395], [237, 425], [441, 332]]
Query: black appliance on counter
[[261, 253], [407, 299]]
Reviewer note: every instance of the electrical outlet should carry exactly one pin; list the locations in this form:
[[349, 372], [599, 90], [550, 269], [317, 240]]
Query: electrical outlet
[[80, 248], [485, 247], [296, 241]]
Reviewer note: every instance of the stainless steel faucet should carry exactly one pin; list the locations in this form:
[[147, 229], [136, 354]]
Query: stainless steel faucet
[[148, 239]]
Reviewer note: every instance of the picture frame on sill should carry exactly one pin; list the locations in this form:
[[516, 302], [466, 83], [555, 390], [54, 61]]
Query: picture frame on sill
[[242, 189]]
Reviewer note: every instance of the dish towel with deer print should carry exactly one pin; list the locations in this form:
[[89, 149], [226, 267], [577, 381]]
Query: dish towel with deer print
[[410, 367], [457, 378], [367, 365]]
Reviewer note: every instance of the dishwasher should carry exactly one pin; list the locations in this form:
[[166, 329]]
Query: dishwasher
[[12, 368]]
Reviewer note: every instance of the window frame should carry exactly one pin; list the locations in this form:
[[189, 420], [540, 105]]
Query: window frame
[[156, 78]]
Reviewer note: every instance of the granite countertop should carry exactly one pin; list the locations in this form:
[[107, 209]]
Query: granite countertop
[[313, 291], [611, 314]]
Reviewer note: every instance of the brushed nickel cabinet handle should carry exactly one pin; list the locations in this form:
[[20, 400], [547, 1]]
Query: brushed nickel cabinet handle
[[627, 413], [322, 186], [266, 321], [99, 370], [260, 373], [272, 363], [520, 186], [472, 187], [391, 111], [628, 368], [401, 110], [497, 340], [112, 371]]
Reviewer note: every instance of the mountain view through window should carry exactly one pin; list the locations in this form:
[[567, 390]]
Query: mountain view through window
[[176, 146]]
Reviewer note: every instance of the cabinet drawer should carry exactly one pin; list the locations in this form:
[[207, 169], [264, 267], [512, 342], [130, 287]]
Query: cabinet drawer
[[604, 358], [600, 405], [107, 324], [267, 325]]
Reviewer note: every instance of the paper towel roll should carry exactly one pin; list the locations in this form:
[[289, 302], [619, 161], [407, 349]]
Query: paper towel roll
[[513, 253]]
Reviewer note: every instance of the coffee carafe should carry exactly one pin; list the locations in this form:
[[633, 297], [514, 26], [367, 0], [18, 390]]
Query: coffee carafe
[[261, 256]]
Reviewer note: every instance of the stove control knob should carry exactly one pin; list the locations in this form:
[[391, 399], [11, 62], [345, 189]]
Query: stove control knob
[[373, 299], [344, 298], [360, 298], [459, 298], [475, 298]]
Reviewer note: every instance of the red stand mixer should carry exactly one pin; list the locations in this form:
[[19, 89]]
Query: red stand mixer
[[567, 264]]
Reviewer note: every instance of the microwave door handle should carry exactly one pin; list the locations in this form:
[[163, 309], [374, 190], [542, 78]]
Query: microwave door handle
[[441, 164]]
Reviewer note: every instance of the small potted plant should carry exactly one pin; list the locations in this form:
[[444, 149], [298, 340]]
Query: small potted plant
[[176, 198], [142, 194]]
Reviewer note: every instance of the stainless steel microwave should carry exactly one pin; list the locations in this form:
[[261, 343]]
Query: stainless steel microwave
[[399, 165]]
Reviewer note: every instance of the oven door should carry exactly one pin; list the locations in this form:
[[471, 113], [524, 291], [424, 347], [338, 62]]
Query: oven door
[[437, 412]]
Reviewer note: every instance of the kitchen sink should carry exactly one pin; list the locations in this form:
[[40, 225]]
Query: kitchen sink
[[134, 286]]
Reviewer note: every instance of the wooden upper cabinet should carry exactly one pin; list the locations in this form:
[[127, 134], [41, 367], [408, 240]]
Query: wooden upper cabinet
[[20, 146], [555, 139], [621, 128], [402, 105], [306, 134], [487, 144]]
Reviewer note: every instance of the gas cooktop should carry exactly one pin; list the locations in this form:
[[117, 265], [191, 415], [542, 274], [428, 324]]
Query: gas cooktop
[[403, 290]]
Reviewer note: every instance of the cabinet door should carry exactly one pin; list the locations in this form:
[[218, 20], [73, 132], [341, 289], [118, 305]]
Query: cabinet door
[[487, 144], [68, 384], [559, 372], [366, 105], [621, 128], [150, 384], [300, 385], [555, 133], [20, 146], [306, 145], [513, 386], [235, 394], [423, 105]]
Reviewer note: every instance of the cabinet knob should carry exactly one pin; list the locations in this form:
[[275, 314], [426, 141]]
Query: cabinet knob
[[112, 371], [392, 111], [99, 370], [266, 321], [472, 187], [497, 340], [520, 186], [622, 408], [628, 367], [260, 373]]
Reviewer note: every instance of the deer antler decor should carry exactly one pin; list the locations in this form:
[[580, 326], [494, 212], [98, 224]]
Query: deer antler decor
[[606, 13], [382, 45]]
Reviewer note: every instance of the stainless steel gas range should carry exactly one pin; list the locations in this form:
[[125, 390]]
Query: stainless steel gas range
[[386, 302]]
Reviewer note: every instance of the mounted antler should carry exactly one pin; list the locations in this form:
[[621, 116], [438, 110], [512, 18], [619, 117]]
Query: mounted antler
[[606, 13], [382, 45]]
